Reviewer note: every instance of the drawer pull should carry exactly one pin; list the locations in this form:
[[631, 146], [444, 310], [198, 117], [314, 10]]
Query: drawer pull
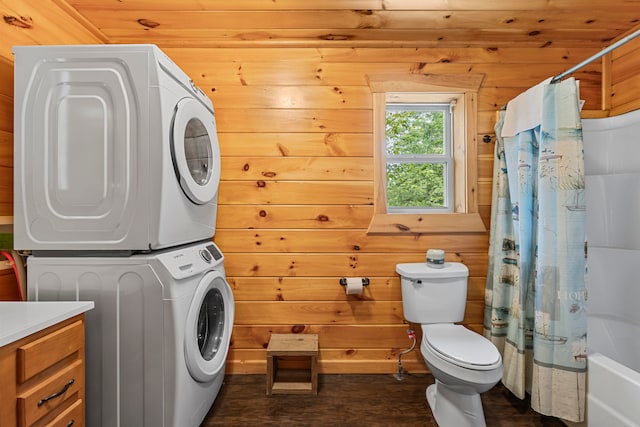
[[70, 423], [59, 393]]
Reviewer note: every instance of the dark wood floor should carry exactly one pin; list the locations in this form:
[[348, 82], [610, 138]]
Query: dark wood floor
[[355, 400]]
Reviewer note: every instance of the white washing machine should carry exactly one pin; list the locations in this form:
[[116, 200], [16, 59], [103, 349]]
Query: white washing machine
[[158, 338], [115, 149]]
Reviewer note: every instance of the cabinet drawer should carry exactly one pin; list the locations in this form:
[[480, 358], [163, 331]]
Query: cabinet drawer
[[42, 353], [50, 393], [73, 416]]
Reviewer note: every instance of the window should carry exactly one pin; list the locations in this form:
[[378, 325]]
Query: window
[[418, 156], [425, 154]]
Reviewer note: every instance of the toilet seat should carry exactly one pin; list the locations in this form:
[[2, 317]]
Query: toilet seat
[[461, 346]]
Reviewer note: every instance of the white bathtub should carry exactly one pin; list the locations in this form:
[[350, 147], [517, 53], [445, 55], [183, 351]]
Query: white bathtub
[[614, 393], [612, 169]]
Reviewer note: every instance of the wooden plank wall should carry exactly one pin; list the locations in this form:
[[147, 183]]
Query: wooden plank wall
[[6, 138], [625, 79], [295, 130]]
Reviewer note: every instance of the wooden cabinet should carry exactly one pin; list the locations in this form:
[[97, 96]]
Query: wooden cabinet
[[42, 378]]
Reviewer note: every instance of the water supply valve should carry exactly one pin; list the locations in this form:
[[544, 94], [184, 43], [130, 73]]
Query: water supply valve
[[411, 334]]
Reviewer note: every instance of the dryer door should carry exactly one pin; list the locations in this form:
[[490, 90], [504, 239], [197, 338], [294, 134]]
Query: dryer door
[[195, 151], [208, 328]]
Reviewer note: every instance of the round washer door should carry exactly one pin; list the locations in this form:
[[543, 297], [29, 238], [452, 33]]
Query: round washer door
[[195, 150], [208, 328]]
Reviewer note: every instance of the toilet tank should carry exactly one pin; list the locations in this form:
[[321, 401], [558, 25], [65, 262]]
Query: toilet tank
[[432, 294]]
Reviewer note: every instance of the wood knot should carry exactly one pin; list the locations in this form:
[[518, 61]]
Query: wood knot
[[269, 174], [283, 150], [246, 167], [322, 218], [297, 329], [148, 23], [340, 37], [416, 68], [402, 227], [262, 213], [19, 21], [261, 184]]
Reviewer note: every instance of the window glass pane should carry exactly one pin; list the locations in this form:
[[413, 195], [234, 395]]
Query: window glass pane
[[415, 132], [416, 185]]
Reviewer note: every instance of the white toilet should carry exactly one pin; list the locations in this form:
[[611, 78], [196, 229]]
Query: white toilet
[[463, 362]]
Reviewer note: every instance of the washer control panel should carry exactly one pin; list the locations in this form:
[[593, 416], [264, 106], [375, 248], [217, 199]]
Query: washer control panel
[[189, 260]]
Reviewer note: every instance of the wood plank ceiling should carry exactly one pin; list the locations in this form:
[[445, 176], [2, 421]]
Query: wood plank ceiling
[[360, 23]]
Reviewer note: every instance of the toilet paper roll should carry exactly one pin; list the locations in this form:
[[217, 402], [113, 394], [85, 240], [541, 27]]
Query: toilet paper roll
[[354, 286]]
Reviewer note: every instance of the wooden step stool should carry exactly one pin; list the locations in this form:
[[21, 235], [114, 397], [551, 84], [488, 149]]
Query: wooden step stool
[[296, 345]]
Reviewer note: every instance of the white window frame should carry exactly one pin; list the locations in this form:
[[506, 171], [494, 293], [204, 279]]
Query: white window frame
[[461, 89], [399, 102]]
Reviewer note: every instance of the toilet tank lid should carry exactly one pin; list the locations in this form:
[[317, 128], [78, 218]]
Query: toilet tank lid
[[421, 270]]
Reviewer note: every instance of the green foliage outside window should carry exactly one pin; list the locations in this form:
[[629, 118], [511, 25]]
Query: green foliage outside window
[[413, 180]]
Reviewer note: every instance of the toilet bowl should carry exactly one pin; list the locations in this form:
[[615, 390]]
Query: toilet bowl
[[464, 365], [463, 362]]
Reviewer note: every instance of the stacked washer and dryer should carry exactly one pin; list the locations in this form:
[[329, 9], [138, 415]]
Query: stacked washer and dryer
[[117, 167]]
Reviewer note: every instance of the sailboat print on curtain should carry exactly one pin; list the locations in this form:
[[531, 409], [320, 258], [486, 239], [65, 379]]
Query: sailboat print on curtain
[[535, 293], [560, 305]]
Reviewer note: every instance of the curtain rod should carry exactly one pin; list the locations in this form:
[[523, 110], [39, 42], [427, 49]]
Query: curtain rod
[[603, 52]]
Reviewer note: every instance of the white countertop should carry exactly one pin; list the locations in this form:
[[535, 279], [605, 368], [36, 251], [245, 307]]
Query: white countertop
[[21, 319]]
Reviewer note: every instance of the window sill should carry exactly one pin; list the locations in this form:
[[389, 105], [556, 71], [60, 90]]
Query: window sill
[[412, 224]]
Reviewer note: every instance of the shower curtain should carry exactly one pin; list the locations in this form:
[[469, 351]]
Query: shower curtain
[[535, 292]]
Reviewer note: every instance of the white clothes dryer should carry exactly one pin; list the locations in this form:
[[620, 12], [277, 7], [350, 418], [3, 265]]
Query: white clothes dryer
[[115, 149], [158, 338]]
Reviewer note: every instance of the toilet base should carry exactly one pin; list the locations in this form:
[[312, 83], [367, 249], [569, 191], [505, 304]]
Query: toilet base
[[454, 409]]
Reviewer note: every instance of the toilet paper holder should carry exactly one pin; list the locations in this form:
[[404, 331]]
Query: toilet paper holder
[[365, 281]]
